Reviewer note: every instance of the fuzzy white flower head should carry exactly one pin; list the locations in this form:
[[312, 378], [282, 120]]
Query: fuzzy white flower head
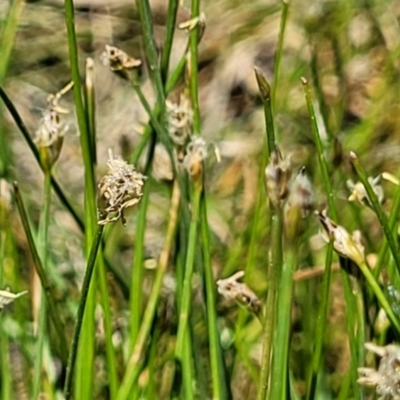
[[387, 378], [117, 59], [231, 289], [344, 244], [180, 120], [196, 153], [359, 194], [120, 188]]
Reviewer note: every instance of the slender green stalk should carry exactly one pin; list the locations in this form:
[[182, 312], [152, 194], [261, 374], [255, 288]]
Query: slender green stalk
[[270, 314], [383, 219], [187, 282], [48, 290], [281, 346], [318, 90], [81, 310], [394, 212], [275, 263], [5, 370], [384, 303], [42, 323], [108, 328], [321, 326], [194, 73], [21, 126], [169, 36], [158, 127], [176, 74], [320, 150], [349, 297], [217, 364], [150, 49], [85, 358], [90, 105], [8, 35], [361, 328], [137, 270], [278, 57], [134, 364]]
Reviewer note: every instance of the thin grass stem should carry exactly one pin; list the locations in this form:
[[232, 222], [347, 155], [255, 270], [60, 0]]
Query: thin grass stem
[[47, 288], [279, 382], [321, 326], [169, 37], [382, 217], [81, 311], [279, 51], [42, 323], [219, 388], [185, 300], [134, 365]]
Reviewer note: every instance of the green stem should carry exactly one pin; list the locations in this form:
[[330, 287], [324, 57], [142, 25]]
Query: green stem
[[134, 364], [187, 282], [42, 323], [281, 346], [320, 149], [274, 273], [278, 57], [169, 36], [265, 94], [383, 219], [217, 364], [321, 326], [150, 49], [5, 370], [384, 303], [47, 288], [137, 270], [194, 73], [108, 328], [81, 310]]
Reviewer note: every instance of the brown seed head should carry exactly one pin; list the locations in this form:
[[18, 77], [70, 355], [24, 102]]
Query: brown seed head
[[120, 188]]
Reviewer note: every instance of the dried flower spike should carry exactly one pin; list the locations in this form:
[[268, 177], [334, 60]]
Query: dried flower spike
[[51, 131], [199, 21], [387, 378], [6, 297], [277, 177], [118, 60], [301, 193], [360, 195], [299, 203], [231, 289], [180, 121], [344, 244], [120, 188], [196, 152]]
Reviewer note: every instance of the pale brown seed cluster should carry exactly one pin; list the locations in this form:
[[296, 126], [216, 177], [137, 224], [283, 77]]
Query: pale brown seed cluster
[[51, 131], [180, 121], [277, 177], [196, 153], [118, 60], [346, 245], [386, 379], [231, 289], [359, 194], [120, 188]]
